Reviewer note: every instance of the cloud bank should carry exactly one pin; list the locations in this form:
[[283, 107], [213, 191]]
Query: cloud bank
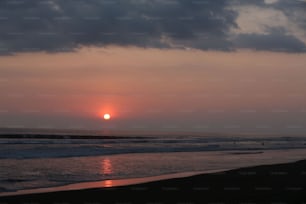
[[58, 25]]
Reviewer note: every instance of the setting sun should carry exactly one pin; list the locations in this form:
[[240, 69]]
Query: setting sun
[[106, 116]]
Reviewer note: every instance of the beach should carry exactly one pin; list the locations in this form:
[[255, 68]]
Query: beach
[[277, 183]]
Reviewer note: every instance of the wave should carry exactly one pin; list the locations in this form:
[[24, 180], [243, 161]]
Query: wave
[[27, 146], [63, 152]]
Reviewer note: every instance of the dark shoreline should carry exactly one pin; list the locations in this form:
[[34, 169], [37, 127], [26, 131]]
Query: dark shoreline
[[280, 183]]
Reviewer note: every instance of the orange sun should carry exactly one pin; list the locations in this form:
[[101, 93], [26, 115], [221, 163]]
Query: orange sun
[[106, 116]]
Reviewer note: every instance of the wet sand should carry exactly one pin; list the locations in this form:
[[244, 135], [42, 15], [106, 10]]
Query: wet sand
[[281, 183]]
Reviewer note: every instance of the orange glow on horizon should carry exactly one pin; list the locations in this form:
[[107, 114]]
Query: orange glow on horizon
[[78, 88], [106, 113]]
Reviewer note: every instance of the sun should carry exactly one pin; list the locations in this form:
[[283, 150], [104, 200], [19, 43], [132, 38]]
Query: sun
[[107, 116]]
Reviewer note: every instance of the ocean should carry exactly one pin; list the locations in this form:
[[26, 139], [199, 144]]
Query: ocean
[[42, 160]]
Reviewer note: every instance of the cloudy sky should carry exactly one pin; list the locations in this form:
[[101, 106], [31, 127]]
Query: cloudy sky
[[171, 65]]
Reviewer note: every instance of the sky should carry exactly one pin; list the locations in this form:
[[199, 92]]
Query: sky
[[179, 65]]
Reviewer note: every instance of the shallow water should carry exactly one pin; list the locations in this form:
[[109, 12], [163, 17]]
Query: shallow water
[[40, 163]]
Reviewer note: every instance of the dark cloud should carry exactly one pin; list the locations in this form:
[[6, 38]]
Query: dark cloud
[[58, 25], [270, 42], [64, 25]]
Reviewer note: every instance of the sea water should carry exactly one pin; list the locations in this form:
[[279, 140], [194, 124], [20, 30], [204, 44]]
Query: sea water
[[31, 163]]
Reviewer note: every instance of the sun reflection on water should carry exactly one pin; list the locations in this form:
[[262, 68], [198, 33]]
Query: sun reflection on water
[[107, 167]]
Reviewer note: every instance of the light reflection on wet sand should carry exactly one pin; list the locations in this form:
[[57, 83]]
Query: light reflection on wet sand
[[107, 183]]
